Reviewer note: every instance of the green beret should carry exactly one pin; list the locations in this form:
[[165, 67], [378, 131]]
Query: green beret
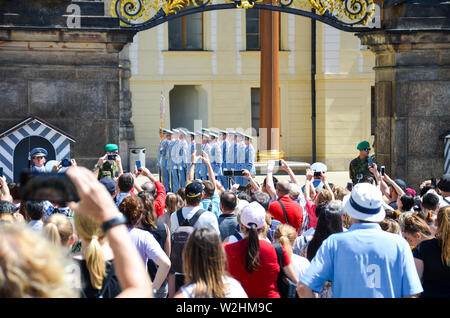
[[363, 145], [111, 147]]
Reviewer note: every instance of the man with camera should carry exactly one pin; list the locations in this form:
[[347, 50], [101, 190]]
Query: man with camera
[[109, 165], [359, 167], [39, 159]]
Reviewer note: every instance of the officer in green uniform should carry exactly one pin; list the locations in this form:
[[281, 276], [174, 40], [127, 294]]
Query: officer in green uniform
[[110, 165], [359, 167]]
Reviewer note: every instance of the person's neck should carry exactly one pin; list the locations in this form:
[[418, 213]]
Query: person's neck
[[228, 212], [362, 157]]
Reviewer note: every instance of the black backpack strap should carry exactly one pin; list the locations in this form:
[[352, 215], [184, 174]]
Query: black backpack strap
[[180, 217], [284, 211], [195, 218], [237, 235], [106, 282]]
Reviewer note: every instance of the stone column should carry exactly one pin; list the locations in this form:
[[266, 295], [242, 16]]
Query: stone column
[[412, 87]]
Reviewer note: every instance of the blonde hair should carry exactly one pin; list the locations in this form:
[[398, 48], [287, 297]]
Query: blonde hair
[[172, 202], [204, 263], [340, 192], [286, 234], [443, 233], [323, 196], [90, 230], [294, 191], [31, 266], [58, 228]]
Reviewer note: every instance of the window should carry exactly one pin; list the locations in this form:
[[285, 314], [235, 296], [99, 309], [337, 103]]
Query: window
[[252, 29], [255, 109], [186, 33]]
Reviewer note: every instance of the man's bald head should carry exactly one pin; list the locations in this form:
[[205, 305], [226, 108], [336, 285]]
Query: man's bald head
[[283, 187]]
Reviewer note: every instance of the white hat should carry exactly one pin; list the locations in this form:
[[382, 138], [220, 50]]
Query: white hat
[[365, 203], [253, 213]]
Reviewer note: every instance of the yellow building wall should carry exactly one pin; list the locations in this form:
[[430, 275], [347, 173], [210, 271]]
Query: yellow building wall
[[343, 97]]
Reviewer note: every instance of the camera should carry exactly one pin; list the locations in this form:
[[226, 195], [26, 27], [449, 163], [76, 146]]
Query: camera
[[238, 173], [66, 163], [317, 173], [54, 187], [138, 164], [382, 170], [111, 157], [370, 162], [227, 173]]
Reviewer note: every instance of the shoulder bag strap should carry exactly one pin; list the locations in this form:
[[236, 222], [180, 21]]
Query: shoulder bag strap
[[180, 217], [284, 211], [106, 283], [279, 252]]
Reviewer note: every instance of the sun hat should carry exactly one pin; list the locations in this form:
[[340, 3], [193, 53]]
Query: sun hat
[[254, 213], [365, 203]]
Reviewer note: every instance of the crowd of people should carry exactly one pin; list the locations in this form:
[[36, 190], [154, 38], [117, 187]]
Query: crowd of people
[[201, 236]]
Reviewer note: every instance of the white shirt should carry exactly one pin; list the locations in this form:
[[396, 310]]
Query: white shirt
[[207, 219], [300, 265], [146, 244], [233, 289]]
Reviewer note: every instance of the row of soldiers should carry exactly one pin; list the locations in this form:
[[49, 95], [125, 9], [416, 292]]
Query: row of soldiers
[[227, 151]]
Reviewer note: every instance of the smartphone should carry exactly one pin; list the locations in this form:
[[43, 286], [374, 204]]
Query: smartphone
[[66, 163], [111, 157], [382, 170], [370, 162], [349, 186], [54, 187], [227, 173], [317, 173], [198, 149], [1, 171], [238, 173], [138, 164]]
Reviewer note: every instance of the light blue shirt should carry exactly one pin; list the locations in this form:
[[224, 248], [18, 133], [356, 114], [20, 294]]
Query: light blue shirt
[[212, 205], [364, 262]]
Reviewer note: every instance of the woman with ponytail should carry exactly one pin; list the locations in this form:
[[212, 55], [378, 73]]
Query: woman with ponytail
[[286, 234], [253, 260], [59, 229], [432, 258], [96, 258]]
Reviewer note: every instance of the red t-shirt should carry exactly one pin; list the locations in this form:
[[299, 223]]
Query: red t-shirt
[[261, 283], [160, 201], [294, 212], [310, 207]]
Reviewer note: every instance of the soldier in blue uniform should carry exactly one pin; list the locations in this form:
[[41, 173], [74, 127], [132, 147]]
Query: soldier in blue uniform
[[165, 160], [240, 156], [160, 153], [225, 145], [206, 147], [39, 158], [249, 157], [198, 164], [215, 157], [185, 154], [175, 161]]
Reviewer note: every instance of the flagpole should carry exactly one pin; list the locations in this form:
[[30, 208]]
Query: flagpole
[[162, 111]]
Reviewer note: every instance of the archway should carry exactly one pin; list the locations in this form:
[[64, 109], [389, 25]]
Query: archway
[[24, 147]]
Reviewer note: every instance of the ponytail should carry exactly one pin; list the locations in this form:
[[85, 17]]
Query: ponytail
[[443, 233], [286, 234], [95, 262], [51, 232], [252, 257], [284, 241]]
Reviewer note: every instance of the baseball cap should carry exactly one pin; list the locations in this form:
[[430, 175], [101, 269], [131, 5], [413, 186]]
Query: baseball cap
[[319, 166], [365, 203], [254, 213], [194, 189], [109, 184]]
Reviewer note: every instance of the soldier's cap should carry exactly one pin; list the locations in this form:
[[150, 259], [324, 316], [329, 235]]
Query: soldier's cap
[[198, 133], [248, 137], [363, 145], [191, 133], [168, 132], [194, 189], [38, 152], [111, 147], [224, 132], [176, 130], [213, 135], [205, 129]]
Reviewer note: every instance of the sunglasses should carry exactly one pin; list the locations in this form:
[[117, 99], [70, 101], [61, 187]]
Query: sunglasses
[[367, 149]]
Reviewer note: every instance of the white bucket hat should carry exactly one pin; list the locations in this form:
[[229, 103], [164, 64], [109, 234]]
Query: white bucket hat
[[253, 213], [365, 203]]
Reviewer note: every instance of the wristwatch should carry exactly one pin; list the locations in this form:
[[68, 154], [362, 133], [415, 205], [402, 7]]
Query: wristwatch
[[121, 219]]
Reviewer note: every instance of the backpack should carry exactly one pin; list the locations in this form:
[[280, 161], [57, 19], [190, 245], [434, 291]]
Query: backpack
[[180, 237], [160, 235]]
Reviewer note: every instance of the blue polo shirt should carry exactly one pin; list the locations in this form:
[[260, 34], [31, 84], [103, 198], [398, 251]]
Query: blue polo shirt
[[212, 205], [364, 262]]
